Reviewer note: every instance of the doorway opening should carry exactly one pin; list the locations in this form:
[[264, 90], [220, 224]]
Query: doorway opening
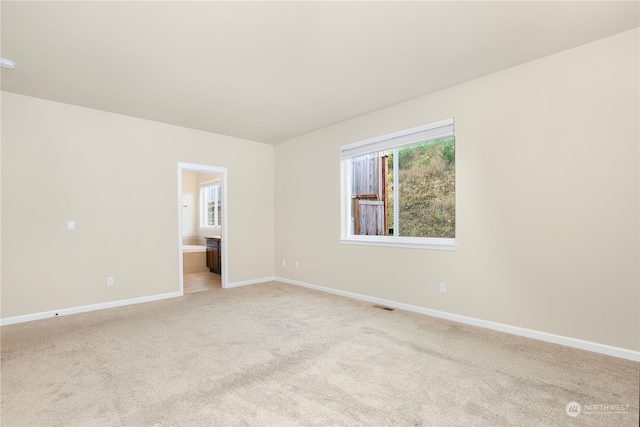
[[202, 227]]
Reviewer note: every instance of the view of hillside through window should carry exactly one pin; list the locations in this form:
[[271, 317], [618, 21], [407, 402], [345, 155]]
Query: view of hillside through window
[[426, 189], [424, 174], [402, 186]]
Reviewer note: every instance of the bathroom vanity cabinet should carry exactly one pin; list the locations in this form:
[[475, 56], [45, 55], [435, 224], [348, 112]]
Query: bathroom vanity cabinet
[[213, 255]]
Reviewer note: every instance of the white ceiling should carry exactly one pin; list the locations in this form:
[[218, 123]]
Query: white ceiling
[[270, 71]]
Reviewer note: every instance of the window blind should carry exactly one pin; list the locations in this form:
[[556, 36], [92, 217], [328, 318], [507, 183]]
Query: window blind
[[426, 133]]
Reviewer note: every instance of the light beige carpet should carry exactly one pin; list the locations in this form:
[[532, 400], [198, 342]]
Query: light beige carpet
[[279, 355]]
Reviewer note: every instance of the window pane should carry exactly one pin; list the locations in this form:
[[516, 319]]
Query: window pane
[[426, 189], [212, 203], [211, 206], [368, 194], [217, 208]]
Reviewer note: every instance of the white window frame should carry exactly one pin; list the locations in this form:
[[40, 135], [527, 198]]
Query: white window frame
[[204, 213], [389, 141]]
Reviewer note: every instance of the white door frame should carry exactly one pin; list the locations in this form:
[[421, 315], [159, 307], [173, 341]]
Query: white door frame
[[222, 171]]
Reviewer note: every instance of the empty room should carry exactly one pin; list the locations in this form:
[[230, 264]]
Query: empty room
[[321, 213]]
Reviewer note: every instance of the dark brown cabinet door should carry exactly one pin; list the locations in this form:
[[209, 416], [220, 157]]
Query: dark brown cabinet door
[[213, 256]]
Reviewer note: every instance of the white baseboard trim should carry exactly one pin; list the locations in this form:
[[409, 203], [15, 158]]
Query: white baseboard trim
[[250, 282], [622, 353], [112, 304], [86, 308]]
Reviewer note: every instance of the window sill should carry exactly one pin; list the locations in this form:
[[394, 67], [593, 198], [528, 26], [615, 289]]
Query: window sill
[[399, 242]]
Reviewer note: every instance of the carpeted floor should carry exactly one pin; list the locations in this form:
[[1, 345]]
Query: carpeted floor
[[278, 355]]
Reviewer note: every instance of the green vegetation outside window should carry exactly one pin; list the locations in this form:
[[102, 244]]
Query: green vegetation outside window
[[400, 188]]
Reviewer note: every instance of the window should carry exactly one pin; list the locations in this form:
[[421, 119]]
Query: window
[[210, 204], [399, 189]]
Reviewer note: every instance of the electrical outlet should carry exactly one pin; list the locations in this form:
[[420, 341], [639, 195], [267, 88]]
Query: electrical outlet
[[109, 281], [443, 287], [284, 262], [297, 264], [71, 225]]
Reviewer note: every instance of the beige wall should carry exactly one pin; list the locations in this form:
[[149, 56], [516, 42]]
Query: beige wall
[[547, 200], [190, 202], [117, 178]]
